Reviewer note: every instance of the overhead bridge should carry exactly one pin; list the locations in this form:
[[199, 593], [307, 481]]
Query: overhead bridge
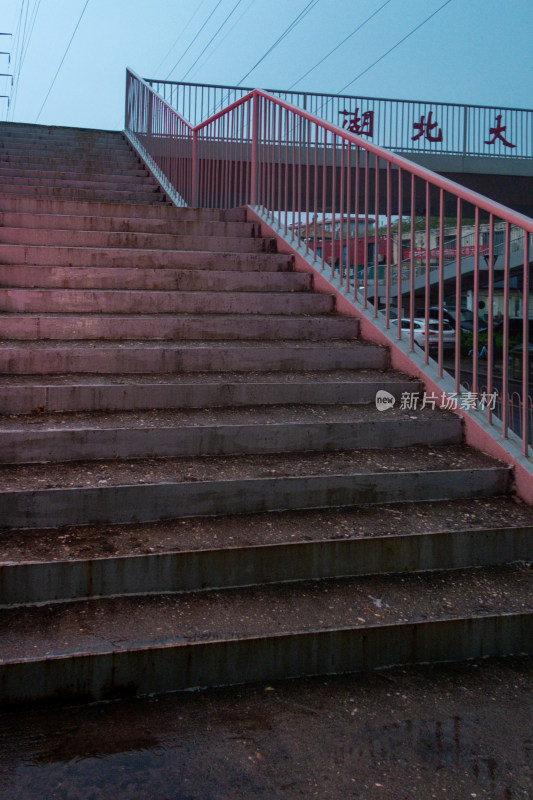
[[488, 149]]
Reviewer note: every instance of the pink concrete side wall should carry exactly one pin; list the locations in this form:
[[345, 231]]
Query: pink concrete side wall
[[476, 435]]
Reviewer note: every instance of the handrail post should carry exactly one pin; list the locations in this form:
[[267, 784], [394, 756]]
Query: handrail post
[[465, 129], [194, 168], [255, 147], [126, 103]]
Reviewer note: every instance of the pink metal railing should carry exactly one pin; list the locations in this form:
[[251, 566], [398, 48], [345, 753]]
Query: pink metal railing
[[295, 168], [164, 136]]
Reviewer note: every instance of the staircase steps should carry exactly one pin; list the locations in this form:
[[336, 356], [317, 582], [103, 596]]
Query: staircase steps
[[37, 394], [129, 257], [191, 554], [55, 205], [125, 224], [157, 434], [196, 487]]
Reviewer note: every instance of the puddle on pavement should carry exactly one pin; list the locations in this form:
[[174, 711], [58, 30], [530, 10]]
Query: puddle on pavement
[[449, 732]]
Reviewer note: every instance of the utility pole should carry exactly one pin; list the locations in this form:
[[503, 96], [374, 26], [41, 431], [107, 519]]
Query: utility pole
[[7, 74]]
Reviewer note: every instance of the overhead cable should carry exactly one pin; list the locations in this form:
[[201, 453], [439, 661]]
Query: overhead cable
[[62, 60], [214, 49], [235, 7], [194, 39], [182, 33], [296, 21], [325, 58], [401, 41]]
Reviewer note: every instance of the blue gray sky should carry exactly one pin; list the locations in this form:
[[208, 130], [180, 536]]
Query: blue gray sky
[[470, 51]]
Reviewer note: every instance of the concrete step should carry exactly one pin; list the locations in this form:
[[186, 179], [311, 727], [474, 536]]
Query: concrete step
[[35, 175], [109, 301], [76, 169], [151, 279], [117, 224], [67, 193], [161, 659], [104, 183], [55, 205], [53, 156], [86, 649], [122, 392], [30, 130], [116, 491], [70, 147], [12, 254], [87, 163], [41, 566], [177, 327], [157, 434], [38, 358], [123, 240]]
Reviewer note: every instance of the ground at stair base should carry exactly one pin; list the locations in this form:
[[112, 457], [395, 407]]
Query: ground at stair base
[[452, 731]]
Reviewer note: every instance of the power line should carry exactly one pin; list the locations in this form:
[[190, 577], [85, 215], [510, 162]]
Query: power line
[[296, 21], [64, 56], [20, 34], [318, 63], [235, 7], [193, 41], [178, 38], [22, 55], [32, 25], [394, 47], [213, 51]]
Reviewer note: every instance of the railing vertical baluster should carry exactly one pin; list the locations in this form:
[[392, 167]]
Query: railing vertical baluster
[[332, 204], [475, 303], [315, 190], [428, 269], [441, 284], [505, 354], [341, 216], [458, 273], [324, 176], [255, 132], [412, 263], [376, 235], [525, 347], [490, 321], [388, 251], [356, 217], [346, 246], [365, 233], [399, 297]]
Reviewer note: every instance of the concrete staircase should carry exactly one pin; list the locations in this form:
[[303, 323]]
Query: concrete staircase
[[195, 485]]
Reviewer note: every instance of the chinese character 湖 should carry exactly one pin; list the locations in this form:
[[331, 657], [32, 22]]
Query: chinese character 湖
[[360, 125], [424, 129], [497, 133]]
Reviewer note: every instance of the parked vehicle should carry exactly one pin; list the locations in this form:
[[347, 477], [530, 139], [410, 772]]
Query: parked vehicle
[[466, 319], [432, 333]]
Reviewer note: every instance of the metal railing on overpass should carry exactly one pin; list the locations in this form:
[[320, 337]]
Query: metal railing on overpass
[[409, 126]]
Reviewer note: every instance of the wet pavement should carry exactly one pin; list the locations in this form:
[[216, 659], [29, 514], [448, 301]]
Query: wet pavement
[[453, 731]]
